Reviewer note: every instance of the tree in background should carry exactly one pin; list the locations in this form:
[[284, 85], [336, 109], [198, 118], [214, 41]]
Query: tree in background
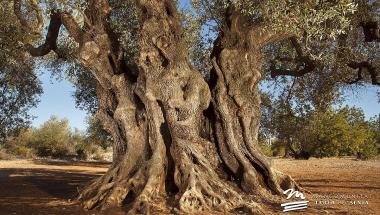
[[153, 101], [96, 134], [372, 148], [324, 133], [375, 121], [53, 138], [19, 86], [94, 142], [338, 133]]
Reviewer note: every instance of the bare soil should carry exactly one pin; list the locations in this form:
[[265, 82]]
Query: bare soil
[[335, 186]]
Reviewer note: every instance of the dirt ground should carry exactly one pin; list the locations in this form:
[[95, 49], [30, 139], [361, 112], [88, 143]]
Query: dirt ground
[[336, 186]]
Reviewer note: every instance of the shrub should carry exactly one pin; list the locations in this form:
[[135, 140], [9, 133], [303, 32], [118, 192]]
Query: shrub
[[337, 133], [4, 154], [89, 151], [95, 133], [368, 151], [266, 148], [278, 149], [19, 145], [53, 139]]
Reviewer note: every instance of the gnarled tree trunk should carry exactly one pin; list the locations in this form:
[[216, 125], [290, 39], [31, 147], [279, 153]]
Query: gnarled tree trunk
[[236, 73], [155, 117]]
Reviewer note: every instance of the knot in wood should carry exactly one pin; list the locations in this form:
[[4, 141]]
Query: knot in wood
[[89, 50], [162, 42]]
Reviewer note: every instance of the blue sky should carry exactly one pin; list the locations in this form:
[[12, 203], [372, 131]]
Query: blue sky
[[365, 98], [57, 100]]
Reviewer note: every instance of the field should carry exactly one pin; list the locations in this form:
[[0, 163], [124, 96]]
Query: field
[[336, 186]]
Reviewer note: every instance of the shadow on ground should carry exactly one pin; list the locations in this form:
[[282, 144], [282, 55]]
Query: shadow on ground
[[38, 191]]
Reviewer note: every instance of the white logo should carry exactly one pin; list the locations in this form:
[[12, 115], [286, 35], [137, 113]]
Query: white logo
[[292, 206]]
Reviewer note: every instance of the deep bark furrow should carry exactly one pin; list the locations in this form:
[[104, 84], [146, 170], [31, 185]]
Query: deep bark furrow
[[227, 131], [154, 114], [155, 120], [139, 153], [236, 99]]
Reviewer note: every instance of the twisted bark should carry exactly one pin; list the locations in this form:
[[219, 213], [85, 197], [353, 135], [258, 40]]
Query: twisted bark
[[156, 120], [237, 65]]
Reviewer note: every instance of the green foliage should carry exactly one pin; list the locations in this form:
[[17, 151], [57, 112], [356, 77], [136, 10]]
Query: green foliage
[[87, 150], [323, 133], [20, 145], [279, 149], [265, 146], [375, 124], [19, 86], [53, 138], [338, 133], [372, 147], [95, 142], [4, 155], [320, 19], [96, 135], [369, 150]]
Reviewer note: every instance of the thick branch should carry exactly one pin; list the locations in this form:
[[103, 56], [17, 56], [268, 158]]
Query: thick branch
[[269, 38], [73, 27], [56, 20], [371, 31], [51, 37], [362, 67], [307, 67], [296, 46]]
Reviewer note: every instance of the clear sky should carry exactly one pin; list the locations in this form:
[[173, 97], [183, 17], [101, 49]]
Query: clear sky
[[365, 98], [57, 100]]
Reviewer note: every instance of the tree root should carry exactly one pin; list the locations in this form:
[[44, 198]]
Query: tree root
[[144, 182], [201, 188]]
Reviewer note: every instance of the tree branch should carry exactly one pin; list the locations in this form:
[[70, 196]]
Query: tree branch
[[271, 38], [51, 37], [371, 31], [362, 67], [304, 63], [296, 46], [57, 18], [301, 70], [73, 27]]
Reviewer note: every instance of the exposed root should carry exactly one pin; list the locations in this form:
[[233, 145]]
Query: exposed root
[[287, 182], [114, 193], [112, 189], [201, 188], [96, 185]]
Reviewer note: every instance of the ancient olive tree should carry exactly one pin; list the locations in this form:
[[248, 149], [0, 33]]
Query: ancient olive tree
[[174, 132]]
